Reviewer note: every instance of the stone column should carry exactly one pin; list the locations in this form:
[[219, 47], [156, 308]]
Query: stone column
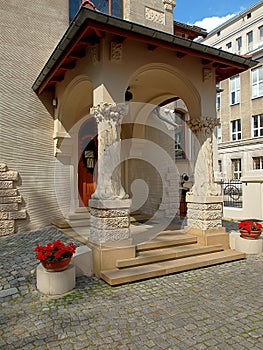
[[204, 204], [109, 206]]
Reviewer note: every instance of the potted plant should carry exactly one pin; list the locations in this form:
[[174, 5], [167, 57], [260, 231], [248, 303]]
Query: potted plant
[[55, 256], [250, 229]]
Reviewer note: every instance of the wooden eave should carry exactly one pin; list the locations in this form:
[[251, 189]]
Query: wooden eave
[[89, 27]]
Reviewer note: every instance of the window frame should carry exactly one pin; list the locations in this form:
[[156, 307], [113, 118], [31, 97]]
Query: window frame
[[236, 171], [239, 45], [250, 41], [259, 128], [257, 83], [235, 90], [260, 35], [236, 130], [260, 159]]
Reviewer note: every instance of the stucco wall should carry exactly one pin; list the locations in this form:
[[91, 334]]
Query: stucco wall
[[29, 30]]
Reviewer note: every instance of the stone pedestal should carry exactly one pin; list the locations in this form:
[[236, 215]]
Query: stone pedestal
[[204, 220], [109, 220], [55, 283], [204, 213], [248, 246]]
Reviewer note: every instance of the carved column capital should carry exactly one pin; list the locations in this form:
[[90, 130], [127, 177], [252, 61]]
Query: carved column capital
[[206, 124], [109, 112], [169, 4]]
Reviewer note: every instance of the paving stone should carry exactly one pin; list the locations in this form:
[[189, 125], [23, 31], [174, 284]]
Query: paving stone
[[207, 308]]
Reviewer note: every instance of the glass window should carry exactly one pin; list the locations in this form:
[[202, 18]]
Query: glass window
[[257, 125], [235, 90], [258, 163], [260, 35], [74, 6], [236, 130], [111, 7], [239, 45], [236, 169], [179, 136], [219, 133], [229, 47], [250, 41], [257, 82], [220, 165]]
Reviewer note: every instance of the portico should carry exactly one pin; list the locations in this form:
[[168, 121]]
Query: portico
[[97, 61]]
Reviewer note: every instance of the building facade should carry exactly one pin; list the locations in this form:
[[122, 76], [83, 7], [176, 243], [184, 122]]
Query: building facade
[[240, 110], [112, 118]]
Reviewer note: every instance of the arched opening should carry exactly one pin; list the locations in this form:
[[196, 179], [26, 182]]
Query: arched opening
[[160, 88]]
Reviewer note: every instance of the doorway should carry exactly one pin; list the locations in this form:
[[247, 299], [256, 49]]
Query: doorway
[[87, 160]]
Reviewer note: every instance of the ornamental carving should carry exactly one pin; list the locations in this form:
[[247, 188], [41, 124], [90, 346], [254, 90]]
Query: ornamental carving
[[154, 16], [94, 54], [206, 124], [116, 51], [169, 4], [207, 74], [109, 112]]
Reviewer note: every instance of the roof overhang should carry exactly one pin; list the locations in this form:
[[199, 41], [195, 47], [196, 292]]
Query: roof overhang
[[90, 26]]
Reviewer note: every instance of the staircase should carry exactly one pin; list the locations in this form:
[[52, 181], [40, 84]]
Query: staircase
[[77, 219], [169, 252]]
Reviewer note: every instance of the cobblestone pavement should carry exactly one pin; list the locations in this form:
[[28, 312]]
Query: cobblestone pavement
[[218, 307]]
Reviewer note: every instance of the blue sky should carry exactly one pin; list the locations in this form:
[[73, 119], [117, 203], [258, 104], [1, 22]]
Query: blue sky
[[209, 14]]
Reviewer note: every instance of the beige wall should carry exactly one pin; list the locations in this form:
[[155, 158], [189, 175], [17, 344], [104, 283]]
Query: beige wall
[[156, 14], [29, 31], [248, 147]]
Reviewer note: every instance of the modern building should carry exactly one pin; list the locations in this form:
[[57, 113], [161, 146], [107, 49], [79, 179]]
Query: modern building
[[240, 110], [102, 115]]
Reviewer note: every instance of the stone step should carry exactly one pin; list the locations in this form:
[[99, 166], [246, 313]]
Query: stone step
[[78, 215], [169, 253], [79, 223], [82, 210], [137, 273], [167, 239]]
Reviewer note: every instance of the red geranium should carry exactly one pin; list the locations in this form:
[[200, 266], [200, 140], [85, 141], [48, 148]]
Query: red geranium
[[55, 251], [249, 225]]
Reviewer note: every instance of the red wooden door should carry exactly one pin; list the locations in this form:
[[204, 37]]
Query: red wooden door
[[88, 156]]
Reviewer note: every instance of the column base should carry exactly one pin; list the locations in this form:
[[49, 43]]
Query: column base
[[109, 220], [204, 220]]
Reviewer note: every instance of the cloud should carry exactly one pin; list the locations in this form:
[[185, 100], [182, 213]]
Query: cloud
[[210, 23]]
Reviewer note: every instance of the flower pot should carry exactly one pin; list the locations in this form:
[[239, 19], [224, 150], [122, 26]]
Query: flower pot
[[56, 266], [250, 235]]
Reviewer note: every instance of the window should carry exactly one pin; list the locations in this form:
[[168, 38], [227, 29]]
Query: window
[[229, 47], [220, 165], [236, 130], [258, 163], [236, 169], [260, 35], [219, 133], [257, 82], [74, 6], [249, 41], [179, 136], [218, 33], [239, 45], [235, 90], [249, 15], [111, 7], [257, 125]]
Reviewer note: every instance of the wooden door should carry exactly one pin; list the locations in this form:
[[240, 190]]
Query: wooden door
[[88, 156]]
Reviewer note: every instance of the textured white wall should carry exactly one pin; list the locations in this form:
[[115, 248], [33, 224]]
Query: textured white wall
[[29, 32]]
